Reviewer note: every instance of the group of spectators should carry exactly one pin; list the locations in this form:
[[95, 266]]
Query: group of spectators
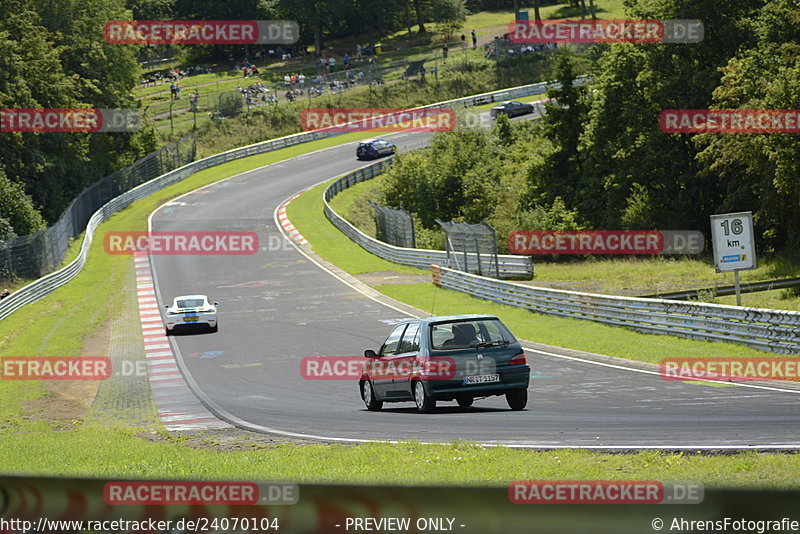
[[508, 47], [257, 92], [173, 75], [175, 90]]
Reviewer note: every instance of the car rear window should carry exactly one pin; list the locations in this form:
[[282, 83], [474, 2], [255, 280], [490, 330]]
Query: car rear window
[[190, 303], [466, 334]]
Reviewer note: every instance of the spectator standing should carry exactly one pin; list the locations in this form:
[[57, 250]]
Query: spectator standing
[[331, 64], [463, 39], [301, 79], [358, 52], [474, 40], [444, 53], [346, 61]]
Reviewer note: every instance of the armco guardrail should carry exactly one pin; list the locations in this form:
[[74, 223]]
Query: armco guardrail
[[752, 287], [508, 266], [769, 330], [46, 284]]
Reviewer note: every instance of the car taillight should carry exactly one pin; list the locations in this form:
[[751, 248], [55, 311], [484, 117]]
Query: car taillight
[[519, 359]]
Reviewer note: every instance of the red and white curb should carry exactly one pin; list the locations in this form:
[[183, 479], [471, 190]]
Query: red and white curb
[[287, 225], [176, 405]]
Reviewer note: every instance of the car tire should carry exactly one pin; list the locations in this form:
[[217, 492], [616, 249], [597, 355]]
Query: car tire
[[425, 403], [465, 401], [517, 399], [368, 396], [168, 332], [215, 328]]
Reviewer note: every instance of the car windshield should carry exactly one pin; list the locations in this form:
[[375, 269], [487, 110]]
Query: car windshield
[[190, 303], [469, 333]]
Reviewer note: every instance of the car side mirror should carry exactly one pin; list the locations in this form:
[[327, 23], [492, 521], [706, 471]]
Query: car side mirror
[[369, 353], [166, 306], [216, 304]]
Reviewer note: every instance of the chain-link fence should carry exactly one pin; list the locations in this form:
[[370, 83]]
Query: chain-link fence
[[467, 244], [35, 255], [395, 227]]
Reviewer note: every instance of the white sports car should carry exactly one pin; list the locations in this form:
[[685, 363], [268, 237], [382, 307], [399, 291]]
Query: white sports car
[[191, 310]]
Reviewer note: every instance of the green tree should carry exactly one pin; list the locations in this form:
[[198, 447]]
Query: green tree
[[449, 16], [759, 172], [560, 173], [17, 212]]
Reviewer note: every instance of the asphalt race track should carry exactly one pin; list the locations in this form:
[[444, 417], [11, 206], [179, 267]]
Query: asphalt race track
[[277, 307]]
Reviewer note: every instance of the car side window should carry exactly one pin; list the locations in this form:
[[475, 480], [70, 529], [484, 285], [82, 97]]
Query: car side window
[[410, 341], [390, 345]]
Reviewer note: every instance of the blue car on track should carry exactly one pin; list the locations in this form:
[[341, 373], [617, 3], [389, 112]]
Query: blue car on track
[[375, 148], [446, 358]]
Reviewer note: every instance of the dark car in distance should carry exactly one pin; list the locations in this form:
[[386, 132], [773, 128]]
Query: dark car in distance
[[446, 358], [512, 108], [375, 148]]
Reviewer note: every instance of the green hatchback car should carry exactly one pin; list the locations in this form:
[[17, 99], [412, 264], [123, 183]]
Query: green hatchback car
[[447, 358]]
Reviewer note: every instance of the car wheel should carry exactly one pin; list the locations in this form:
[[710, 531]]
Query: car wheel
[[517, 399], [215, 328], [168, 331], [368, 394], [425, 403], [464, 400]]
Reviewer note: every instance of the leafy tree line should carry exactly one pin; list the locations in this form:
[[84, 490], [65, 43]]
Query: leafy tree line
[[52, 55], [599, 160], [322, 20]]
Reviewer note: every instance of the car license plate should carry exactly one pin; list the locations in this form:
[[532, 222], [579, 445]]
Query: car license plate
[[190, 318], [481, 379]]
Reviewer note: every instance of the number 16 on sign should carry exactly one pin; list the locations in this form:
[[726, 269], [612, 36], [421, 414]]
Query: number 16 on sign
[[734, 247]]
